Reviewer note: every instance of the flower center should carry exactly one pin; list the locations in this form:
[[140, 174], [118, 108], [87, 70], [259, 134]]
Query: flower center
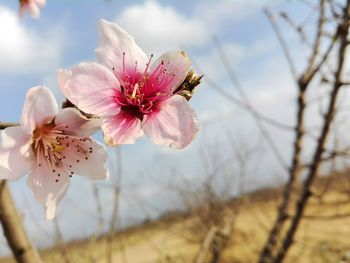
[[59, 151], [141, 92], [24, 2]]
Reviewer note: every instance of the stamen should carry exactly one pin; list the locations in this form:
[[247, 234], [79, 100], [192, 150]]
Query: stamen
[[124, 63], [147, 65]]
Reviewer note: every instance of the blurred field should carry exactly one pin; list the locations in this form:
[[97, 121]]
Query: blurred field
[[324, 235]]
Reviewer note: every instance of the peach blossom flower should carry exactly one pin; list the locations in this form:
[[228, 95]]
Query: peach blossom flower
[[51, 146], [130, 94], [32, 6]]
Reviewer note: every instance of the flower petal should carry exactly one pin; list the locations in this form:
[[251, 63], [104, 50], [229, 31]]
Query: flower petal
[[95, 166], [114, 41], [40, 2], [77, 124], [123, 128], [91, 87], [175, 125], [34, 10], [176, 63], [15, 153], [46, 189], [40, 107]]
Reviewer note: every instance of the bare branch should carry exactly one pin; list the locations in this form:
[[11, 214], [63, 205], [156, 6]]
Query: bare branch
[[343, 30], [21, 247], [283, 43]]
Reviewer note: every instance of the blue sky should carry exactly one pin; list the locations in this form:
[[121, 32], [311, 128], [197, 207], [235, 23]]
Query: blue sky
[[66, 34]]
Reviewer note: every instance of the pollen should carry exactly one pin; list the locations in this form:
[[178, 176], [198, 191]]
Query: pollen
[[58, 148]]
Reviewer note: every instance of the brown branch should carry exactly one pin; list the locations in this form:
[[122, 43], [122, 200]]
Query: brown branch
[[303, 83], [17, 239], [306, 193]]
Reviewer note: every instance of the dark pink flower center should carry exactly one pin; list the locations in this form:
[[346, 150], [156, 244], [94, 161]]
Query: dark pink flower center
[[141, 92]]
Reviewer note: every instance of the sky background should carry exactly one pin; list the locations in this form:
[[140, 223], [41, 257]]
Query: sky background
[[66, 34]]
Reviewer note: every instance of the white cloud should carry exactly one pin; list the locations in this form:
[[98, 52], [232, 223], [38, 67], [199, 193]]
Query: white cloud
[[218, 13], [25, 50], [163, 27]]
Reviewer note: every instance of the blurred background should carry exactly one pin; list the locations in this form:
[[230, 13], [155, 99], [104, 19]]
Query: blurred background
[[162, 205]]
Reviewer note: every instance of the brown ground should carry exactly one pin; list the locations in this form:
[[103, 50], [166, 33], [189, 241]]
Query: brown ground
[[324, 235]]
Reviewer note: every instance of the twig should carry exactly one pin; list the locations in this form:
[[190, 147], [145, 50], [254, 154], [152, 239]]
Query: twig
[[114, 215], [237, 102], [249, 106], [283, 43]]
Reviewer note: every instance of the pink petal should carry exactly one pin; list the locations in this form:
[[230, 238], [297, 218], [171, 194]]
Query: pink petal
[[34, 10], [123, 128], [15, 153], [94, 167], [76, 123], [175, 125], [40, 2], [91, 87], [114, 41], [40, 107], [177, 63], [46, 190]]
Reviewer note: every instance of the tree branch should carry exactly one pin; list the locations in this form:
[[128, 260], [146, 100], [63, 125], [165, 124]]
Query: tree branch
[[11, 222]]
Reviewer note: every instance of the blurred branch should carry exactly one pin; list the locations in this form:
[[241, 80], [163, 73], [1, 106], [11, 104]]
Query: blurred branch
[[299, 29], [208, 240], [303, 83], [4, 125], [343, 30], [237, 102], [248, 105], [16, 237], [282, 42], [114, 215], [60, 241], [215, 240]]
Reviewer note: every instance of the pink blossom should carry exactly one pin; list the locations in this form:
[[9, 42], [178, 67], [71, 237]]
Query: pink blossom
[[132, 94], [32, 6], [51, 146]]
